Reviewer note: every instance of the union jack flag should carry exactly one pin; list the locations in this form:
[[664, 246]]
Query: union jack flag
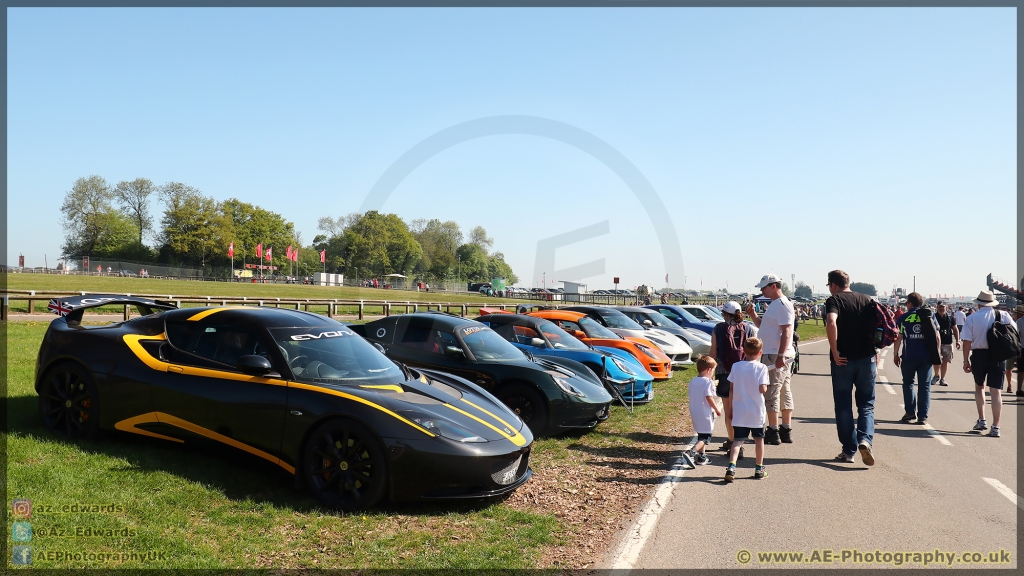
[[59, 308]]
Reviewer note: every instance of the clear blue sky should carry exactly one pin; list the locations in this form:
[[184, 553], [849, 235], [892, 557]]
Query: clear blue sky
[[785, 140]]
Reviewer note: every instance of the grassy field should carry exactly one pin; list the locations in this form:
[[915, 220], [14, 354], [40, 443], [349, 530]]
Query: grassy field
[[809, 331], [206, 509], [185, 288]]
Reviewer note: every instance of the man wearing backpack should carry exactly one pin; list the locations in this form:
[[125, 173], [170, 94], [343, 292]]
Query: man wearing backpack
[[850, 321], [981, 361], [949, 333], [916, 351]]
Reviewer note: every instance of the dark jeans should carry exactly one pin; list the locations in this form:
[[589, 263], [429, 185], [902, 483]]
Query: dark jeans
[[917, 405], [855, 381]]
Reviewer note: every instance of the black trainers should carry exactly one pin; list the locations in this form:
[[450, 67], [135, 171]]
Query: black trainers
[[921, 421], [771, 436], [701, 459], [761, 474], [730, 474], [907, 419], [786, 435], [740, 455]]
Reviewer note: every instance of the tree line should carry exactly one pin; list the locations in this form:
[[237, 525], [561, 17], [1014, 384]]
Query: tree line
[[108, 221]]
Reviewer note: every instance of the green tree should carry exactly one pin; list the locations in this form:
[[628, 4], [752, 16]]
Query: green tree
[[472, 263], [193, 227], [377, 244], [134, 198], [803, 290], [498, 268], [86, 215], [439, 241], [863, 288], [251, 225]]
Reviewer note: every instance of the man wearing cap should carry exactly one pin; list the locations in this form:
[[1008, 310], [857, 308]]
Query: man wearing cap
[[960, 318], [977, 361], [775, 330]]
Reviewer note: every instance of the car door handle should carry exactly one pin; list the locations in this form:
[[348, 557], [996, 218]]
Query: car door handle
[[175, 369]]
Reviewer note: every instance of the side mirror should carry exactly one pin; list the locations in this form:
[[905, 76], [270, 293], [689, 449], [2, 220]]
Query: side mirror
[[379, 347], [537, 342], [579, 334], [647, 322], [254, 365], [454, 351]]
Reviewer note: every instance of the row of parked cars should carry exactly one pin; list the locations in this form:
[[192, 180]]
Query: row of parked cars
[[408, 407]]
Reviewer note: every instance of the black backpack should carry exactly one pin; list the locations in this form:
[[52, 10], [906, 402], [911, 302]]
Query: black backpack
[[1003, 340]]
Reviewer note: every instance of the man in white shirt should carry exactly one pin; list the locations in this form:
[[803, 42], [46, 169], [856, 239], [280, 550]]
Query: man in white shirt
[[977, 361], [960, 318], [775, 330], [1018, 312]]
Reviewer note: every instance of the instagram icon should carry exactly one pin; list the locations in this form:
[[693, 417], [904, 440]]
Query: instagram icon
[[21, 508]]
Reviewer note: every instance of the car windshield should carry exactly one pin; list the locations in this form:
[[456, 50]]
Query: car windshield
[[594, 330], [714, 312], [485, 344], [560, 338], [660, 320], [334, 353], [616, 319], [686, 315]]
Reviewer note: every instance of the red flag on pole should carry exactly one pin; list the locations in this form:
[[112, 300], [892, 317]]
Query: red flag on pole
[[295, 255], [259, 250], [323, 255], [288, 253], [269, 251], [231, 250]]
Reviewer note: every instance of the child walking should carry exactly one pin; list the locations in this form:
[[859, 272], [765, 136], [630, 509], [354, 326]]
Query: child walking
[[749, 380], [703, 407]]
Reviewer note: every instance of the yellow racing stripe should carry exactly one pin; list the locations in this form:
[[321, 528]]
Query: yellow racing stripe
[[208, 311], [516, 439]]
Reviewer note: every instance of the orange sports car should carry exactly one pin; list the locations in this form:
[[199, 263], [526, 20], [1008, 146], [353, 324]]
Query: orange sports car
[[590, 331]]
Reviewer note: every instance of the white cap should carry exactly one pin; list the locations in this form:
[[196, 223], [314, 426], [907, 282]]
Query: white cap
[[731, 307], [768, 279]]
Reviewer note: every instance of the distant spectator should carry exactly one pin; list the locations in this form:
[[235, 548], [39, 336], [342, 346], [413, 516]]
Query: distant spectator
[[949, 334]]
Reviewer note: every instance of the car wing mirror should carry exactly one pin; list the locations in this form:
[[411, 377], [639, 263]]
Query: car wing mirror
[[255, 366], [537, 342], [579, 334], [379, 347], [454, 351]]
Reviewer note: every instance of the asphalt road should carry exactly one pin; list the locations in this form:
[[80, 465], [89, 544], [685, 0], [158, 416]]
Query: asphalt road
[[927, 490]]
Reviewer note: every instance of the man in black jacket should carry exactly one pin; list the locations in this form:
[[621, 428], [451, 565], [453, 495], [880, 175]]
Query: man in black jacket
[[949, 334]]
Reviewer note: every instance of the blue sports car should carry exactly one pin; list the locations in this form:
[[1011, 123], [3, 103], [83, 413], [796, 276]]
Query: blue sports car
[[682, 317], [542, 337]]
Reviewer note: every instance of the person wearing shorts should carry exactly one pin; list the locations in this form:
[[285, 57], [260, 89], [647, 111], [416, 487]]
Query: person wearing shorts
[[978, 363], [749, 379], [775, 329], [1019, 313], [949, 334]]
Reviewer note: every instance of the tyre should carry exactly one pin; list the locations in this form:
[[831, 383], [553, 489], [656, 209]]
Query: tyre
[[69, 401], [528, 405], [344, 465]]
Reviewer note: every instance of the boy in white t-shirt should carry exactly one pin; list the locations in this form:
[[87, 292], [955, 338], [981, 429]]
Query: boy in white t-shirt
[[703, 408], [749, 381]]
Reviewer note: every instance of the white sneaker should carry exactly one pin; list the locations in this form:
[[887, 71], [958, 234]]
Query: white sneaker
[[935, 380], [942, 382], [994, 432], [980, 425]]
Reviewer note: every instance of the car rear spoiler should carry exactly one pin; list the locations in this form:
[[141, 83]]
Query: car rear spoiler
[[73, 307]]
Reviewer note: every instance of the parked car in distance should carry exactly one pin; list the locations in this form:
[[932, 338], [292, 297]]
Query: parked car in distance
[[682, 317], [698, 341], [677, 349], [541, 337], [551, 395], [591, 332]]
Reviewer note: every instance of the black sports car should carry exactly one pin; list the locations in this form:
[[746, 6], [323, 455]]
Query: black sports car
[[549, 394], [297, 389]]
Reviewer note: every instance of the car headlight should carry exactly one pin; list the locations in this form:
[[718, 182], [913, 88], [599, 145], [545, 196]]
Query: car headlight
[[564, 384], [660, 342], [448, 429], [621, 365]]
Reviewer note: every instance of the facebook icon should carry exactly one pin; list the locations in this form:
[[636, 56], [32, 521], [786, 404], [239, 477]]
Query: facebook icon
[[21, 555]]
